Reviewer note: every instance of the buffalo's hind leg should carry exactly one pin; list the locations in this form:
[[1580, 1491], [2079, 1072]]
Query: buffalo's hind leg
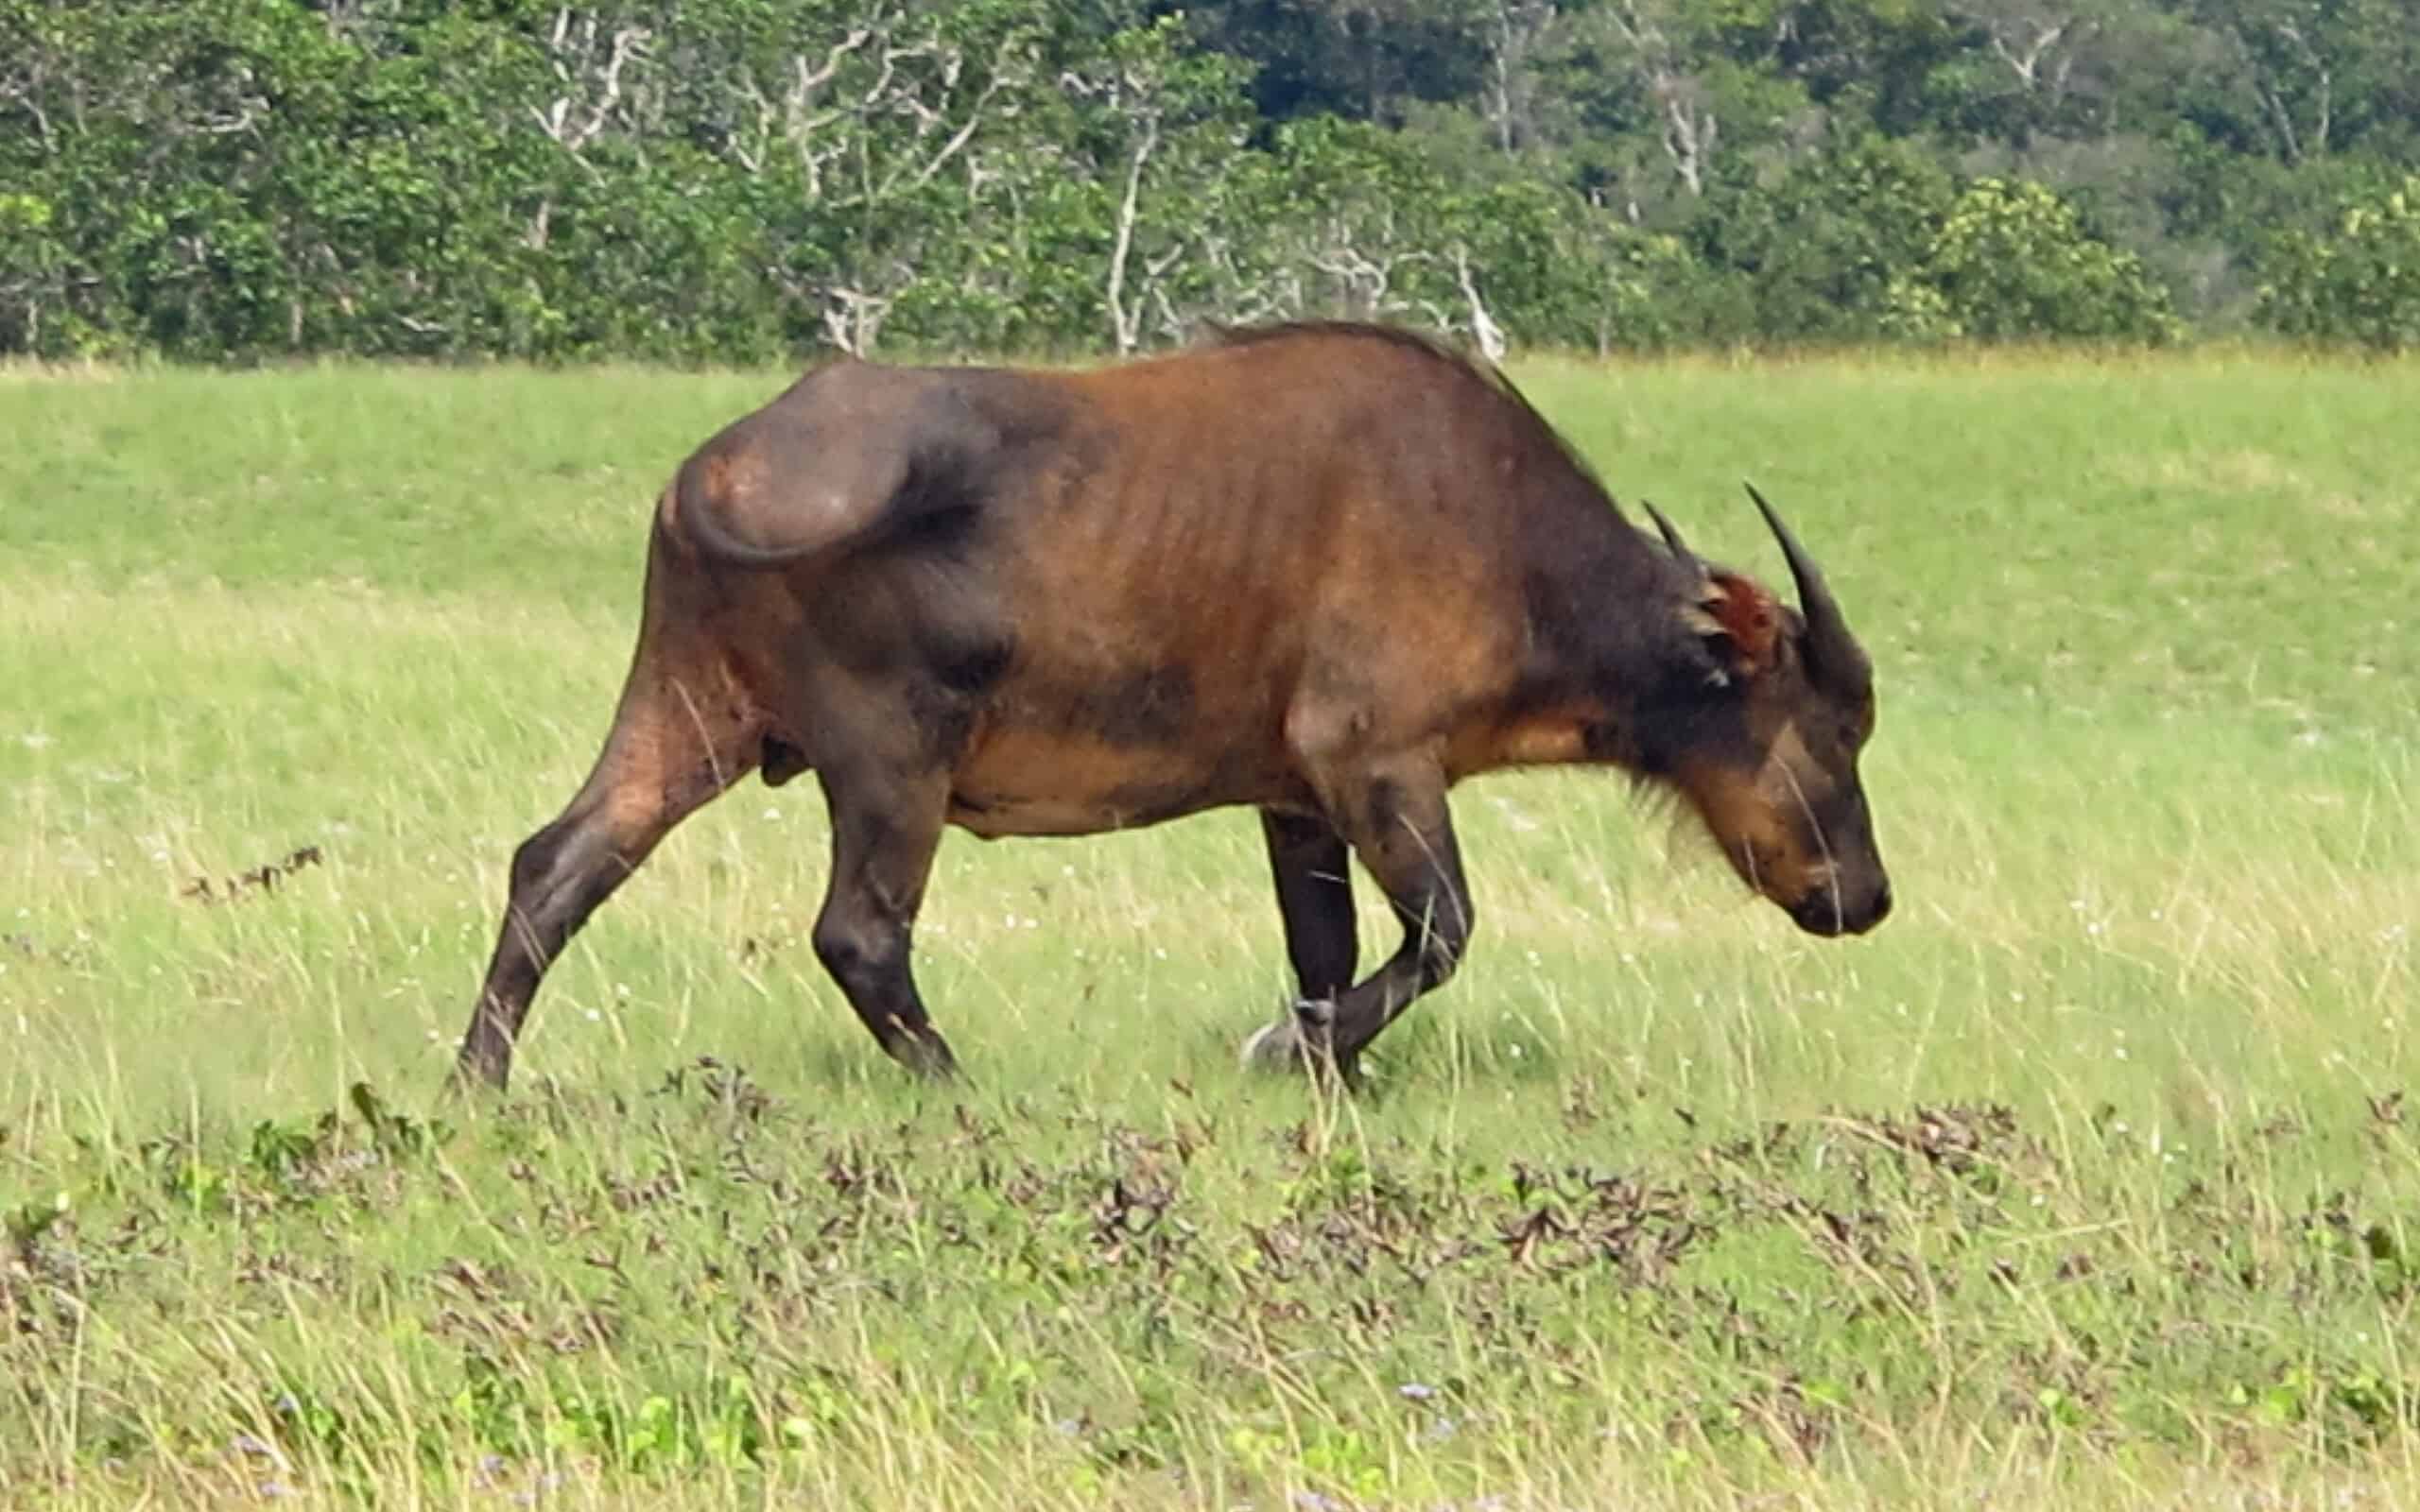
[[885, 829], [674, 745]]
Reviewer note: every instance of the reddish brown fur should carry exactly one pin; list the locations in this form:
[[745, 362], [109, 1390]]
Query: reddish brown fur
[[1325, 573], [1747, 614]]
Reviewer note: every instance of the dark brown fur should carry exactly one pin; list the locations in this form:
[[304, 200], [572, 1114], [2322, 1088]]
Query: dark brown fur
[[1326, 572]]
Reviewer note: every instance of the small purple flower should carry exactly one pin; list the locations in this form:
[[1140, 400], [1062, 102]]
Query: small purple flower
[[271, 1490], [1415, 1391], [247, 1444], [1313, 1501]]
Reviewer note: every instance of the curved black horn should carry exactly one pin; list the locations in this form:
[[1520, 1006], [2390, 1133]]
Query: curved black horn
[[1830, 646], [1672, 537]]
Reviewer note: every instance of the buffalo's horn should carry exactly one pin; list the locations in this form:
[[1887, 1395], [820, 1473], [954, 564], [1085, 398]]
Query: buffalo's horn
[[1830, 646], [1681, 552]]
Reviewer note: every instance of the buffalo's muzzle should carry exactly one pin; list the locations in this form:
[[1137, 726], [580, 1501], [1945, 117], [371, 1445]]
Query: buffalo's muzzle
[[1829, 913]]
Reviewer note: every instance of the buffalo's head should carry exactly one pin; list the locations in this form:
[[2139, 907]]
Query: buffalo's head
[[1782, 705]]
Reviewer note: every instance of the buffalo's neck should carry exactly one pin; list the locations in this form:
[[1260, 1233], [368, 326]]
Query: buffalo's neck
[[1610, 656]]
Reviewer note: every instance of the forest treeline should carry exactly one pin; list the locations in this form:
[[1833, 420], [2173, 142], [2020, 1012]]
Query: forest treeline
[[744, 180]]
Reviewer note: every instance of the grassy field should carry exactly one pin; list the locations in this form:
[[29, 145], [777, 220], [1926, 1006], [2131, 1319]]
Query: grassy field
[[2086, 1180]]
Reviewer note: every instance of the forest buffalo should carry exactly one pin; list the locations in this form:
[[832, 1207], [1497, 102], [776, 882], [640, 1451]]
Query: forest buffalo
[[1324, 570]]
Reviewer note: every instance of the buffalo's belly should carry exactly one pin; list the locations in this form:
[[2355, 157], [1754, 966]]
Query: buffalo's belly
[[1028, 783]]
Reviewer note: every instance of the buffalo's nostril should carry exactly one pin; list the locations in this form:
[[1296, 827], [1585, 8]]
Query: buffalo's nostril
[[1881, 909]]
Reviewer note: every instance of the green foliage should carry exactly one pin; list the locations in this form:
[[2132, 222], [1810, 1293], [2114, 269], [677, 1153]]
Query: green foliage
[[2361, 283], [1877, 242], [735, 180], [1835, 250], [2014, 261]]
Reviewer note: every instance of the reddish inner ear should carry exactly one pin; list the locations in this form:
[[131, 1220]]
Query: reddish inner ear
[[1748, 617]]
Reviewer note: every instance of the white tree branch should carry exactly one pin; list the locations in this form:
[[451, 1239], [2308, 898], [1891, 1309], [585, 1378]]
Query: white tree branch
[[1125, 323], [626, 46], [1483, 327]]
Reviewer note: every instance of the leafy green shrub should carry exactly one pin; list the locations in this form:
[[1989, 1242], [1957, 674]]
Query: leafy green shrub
[[2012, 260], [2361, 284], [1877, 242], [1821, 253]]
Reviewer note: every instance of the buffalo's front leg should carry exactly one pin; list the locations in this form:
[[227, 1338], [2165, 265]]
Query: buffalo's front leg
[[1314, 877], [1395, 816], [885, 829], [1313, 871]]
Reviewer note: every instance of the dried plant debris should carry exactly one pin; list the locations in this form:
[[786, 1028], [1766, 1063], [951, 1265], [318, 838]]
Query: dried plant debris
[[1776, 1293], [260, 880], [77, 954]]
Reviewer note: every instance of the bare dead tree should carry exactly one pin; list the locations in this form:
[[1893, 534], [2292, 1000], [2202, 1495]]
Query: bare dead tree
[[1240, 294], [871, 109], [795, 118], [1517, 31], [1484, 329], [1135, 93], [1365, 278], [1126, 320], [1692, 129], [853, 318], [2025, 57], [936, 116], [589, 63], [834, 102], [21, 89], [349, 20], [2038, 43], [2296, 145]]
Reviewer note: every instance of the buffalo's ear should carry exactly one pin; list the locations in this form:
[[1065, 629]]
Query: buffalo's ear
[[1740, 622]]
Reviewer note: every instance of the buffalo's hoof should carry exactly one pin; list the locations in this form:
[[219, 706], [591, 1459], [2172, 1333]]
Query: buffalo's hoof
[[1285, 1045], [1273, 1047], [476, 1075]]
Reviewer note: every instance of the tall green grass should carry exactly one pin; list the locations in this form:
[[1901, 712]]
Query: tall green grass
[[2085, 1179]]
